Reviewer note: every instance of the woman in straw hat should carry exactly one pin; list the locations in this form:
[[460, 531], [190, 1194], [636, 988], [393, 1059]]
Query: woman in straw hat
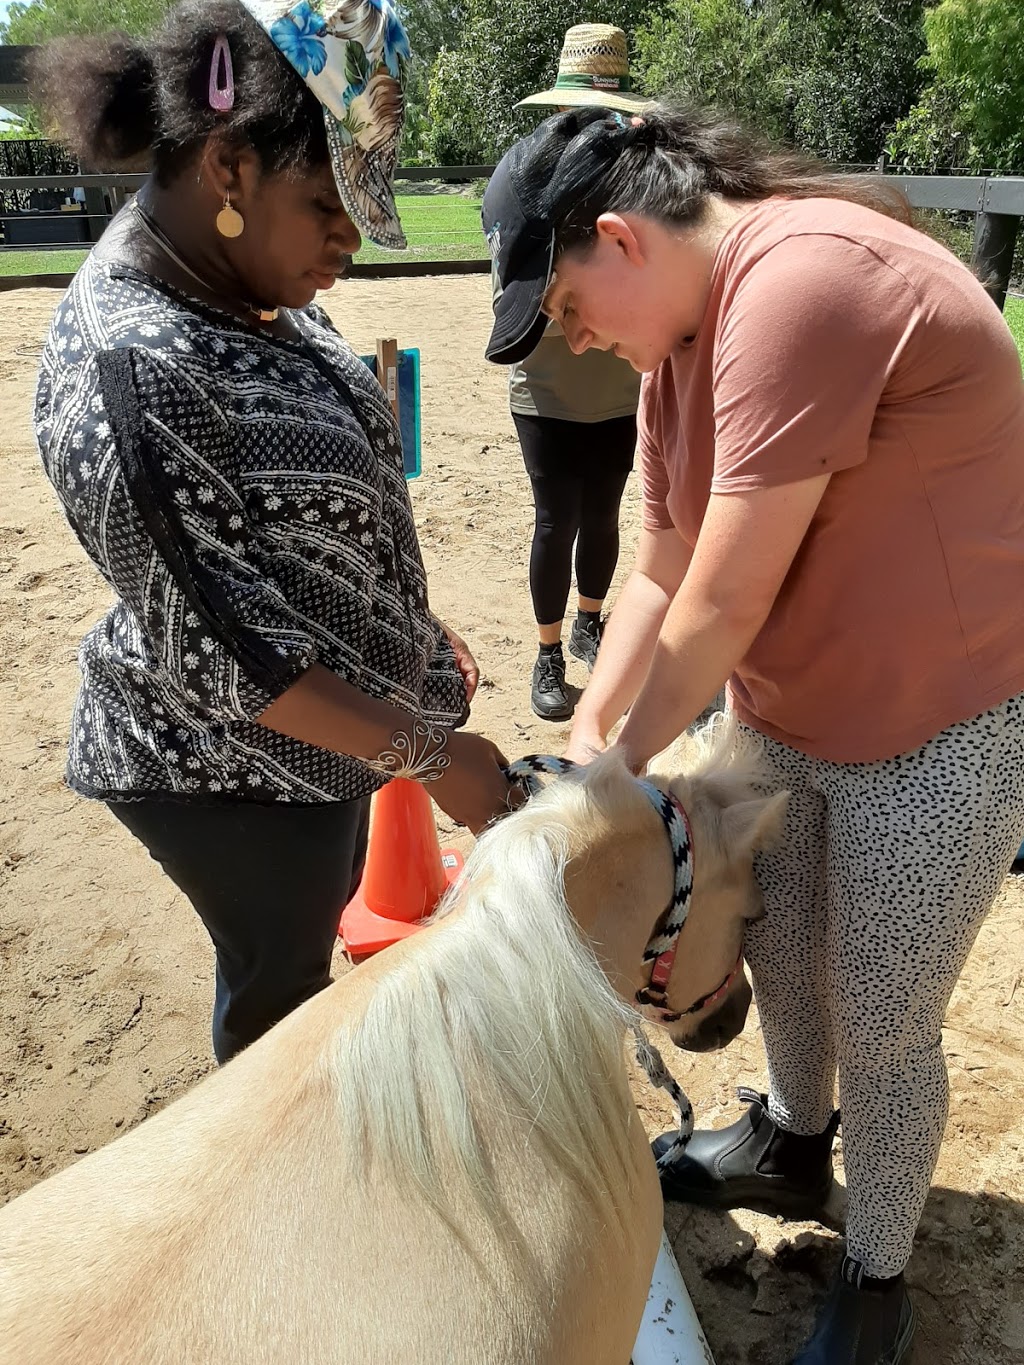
[[576, 421], [831, 437], [235, 474]]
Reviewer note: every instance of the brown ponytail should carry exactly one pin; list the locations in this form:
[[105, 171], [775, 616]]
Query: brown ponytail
[[672, 159]]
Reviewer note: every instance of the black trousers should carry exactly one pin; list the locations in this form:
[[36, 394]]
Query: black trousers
[[269, 883], [578, 471]]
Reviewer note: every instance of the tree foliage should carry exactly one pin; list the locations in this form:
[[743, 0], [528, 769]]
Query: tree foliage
[[508, 49], [971, 114], [433, 26], [721, 53], [37, 21], [832, 76], [855, 72], [938, 83]]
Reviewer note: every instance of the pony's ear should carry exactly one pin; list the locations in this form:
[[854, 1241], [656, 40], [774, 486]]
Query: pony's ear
[[750, 825]]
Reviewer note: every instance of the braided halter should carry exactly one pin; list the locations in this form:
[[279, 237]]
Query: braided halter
[[661, 947]]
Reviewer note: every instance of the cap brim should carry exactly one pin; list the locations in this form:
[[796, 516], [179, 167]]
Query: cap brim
[[599, 99], [518, 321], [364, 179]]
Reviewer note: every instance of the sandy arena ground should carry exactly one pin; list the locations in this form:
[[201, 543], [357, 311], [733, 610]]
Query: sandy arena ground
[[107, 975]]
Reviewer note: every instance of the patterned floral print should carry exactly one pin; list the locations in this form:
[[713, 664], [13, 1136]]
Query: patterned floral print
[[375, 29], [297, 37], [353, 57], [244, 497]]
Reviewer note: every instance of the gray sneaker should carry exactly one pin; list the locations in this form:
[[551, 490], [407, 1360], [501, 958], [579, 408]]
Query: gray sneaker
[[549, 698], [585, 639]]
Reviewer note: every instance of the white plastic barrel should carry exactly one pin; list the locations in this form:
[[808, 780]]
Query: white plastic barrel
[[670, 1333]]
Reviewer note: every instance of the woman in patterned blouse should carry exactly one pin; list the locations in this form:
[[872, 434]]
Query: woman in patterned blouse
[[235, 473]]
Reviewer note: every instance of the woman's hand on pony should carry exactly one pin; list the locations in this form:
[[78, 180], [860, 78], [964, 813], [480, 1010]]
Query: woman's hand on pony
[[474, 790], [585, 745], [637, 763]]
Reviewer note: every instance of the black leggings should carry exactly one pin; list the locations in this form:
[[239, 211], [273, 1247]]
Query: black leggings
[[578, 471], [269, 883]]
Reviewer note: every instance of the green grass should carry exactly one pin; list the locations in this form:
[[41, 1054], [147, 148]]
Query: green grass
[[1014, 314], [42, 262], [440, 227]]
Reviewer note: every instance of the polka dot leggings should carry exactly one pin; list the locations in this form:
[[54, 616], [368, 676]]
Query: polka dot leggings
[[874, 897]]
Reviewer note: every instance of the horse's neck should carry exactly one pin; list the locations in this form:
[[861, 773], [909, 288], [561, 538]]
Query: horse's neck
[[616, 886]]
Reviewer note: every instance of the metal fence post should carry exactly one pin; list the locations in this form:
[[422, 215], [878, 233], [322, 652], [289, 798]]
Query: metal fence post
[[995, 241]]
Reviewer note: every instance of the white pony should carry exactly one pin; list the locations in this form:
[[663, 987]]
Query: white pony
[[437, 1159]]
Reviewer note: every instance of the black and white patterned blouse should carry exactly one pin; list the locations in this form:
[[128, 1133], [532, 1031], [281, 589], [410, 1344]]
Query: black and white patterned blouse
[[244, 497]]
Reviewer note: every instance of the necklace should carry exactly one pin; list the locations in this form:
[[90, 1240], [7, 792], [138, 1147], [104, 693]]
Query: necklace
[[155, 235]]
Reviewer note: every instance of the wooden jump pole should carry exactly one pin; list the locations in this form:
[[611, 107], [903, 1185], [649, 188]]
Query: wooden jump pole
[[387, 372]]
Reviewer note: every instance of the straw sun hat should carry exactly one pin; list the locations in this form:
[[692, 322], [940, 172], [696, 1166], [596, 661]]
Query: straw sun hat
[[593, 69]]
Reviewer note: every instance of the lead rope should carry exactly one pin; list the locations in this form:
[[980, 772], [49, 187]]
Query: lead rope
[[524, 771]]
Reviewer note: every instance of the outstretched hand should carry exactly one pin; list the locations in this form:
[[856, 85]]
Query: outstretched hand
[[475, 790]]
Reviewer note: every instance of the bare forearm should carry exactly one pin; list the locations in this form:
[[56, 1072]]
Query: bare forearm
[[466, 772], [626, 650], [745, 549], [322, 709], [699, 647]]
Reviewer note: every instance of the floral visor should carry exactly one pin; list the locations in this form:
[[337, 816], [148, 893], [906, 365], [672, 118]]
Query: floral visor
[[352, 55]]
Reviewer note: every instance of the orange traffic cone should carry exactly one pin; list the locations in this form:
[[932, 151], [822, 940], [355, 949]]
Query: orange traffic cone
[[406, 872]]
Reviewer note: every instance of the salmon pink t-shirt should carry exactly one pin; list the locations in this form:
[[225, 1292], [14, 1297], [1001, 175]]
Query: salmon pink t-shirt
[[836, 339]]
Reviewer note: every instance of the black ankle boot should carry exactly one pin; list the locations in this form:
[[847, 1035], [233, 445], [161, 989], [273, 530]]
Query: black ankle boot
[[752, 1164], [862, 1322]]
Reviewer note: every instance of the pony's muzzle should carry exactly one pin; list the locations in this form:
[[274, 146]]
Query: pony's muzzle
[[725, 1022]]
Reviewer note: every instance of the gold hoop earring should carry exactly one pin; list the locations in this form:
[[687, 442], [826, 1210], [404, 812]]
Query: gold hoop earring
[[230, 222]]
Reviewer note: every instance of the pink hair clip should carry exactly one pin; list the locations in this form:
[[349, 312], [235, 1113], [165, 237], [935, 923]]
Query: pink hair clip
[[222, 78]]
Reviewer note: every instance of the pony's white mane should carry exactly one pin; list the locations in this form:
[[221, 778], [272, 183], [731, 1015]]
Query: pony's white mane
[[505, 1006]]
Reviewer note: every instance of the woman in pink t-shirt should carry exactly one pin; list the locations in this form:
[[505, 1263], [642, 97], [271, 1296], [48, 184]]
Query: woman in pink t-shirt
[[832, 445]]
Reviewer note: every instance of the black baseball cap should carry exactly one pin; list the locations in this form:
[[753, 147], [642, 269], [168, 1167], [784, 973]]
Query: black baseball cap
[[534, 186]]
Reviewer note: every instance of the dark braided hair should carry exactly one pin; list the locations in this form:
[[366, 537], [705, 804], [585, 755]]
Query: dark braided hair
[[121, 103], [672, 159]]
